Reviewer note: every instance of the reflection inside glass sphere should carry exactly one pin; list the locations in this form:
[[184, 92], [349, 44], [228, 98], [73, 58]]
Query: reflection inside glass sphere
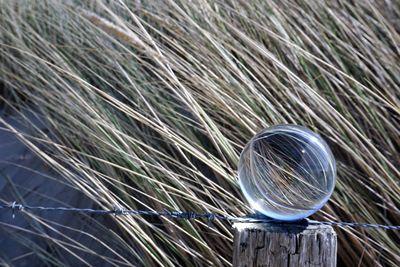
[[287, 172]]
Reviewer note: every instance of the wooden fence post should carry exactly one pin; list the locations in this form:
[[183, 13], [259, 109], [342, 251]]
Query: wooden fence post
[[265, 244]]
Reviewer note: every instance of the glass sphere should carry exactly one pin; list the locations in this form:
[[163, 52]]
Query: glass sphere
[[287, 172]]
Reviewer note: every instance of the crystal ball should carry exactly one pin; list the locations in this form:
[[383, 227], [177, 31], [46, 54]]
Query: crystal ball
[[287, 172]]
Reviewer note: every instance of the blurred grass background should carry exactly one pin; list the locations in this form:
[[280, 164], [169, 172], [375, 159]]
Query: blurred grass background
[[149, 103]]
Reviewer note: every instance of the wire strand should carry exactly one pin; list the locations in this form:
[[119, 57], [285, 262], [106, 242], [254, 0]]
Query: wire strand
[[188, 215]]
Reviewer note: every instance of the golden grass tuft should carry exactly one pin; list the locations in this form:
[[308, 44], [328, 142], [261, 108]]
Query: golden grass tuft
[[149, 104]]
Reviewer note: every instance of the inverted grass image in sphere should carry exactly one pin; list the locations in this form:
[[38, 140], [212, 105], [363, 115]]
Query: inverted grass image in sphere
[[287, 172]]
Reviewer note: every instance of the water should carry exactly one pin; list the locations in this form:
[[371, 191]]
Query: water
[[287, 172]]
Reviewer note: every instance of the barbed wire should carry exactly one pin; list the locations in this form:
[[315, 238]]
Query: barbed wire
[[188, 215]]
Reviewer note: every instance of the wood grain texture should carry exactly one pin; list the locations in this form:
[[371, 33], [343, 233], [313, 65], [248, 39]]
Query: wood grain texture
[[264, 245]]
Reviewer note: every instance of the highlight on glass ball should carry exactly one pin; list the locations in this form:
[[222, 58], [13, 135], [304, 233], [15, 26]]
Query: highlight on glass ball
[[287, 172]]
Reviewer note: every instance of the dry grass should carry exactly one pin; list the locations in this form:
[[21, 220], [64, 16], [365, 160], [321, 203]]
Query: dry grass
[[151, 103]]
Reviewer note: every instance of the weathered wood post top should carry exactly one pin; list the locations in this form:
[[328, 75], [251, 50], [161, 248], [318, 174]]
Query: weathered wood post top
[[286, 244]]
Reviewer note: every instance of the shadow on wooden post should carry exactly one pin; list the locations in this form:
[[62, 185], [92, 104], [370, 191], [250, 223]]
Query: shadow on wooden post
[[265, 244]]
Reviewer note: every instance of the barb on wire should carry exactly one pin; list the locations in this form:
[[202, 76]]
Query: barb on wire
[[188, 215]]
